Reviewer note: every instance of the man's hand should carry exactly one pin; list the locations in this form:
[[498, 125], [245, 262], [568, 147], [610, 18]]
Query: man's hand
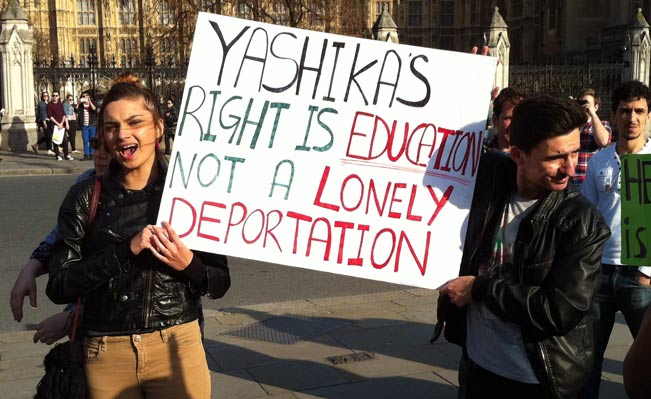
[[459, 290], [484, 51], [642, 278], [25, 285], [589, 109]]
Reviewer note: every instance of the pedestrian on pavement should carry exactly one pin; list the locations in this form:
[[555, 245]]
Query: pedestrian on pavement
[[71, 116], [143, 300], [57, 326], [623, 288], [595, 134], [58, 120], [637, 378], [171, 116], [521, 306], [44, 125], [87, 119], [503, 106]]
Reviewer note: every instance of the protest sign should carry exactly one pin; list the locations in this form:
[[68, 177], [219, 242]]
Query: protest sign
[[327, 152], [636, 209]]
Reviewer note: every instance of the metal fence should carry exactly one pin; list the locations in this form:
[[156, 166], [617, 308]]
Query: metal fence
[[569, 80], [165, 82]]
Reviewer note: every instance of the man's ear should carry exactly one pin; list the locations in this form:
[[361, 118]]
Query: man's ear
[[518, 156]]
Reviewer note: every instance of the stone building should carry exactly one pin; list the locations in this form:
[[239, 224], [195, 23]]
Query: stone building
[[540, 31], [119, 31]]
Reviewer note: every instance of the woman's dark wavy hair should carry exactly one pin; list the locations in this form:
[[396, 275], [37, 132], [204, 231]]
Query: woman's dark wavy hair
[[129, 86], [543, 117]]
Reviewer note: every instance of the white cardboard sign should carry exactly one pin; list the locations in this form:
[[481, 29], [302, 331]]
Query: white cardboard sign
[[326, 152]]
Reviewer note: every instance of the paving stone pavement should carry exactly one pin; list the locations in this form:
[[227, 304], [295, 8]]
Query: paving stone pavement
[[380, 341]]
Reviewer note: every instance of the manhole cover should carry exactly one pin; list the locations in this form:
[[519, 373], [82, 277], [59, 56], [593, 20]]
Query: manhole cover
[[288, 329], [350, 358]]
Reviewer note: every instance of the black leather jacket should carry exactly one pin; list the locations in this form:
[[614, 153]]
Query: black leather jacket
[[549, 288], [124, 293]]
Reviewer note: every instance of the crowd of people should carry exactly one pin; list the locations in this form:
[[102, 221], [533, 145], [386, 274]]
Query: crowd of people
[[540, 281], [53, 114]]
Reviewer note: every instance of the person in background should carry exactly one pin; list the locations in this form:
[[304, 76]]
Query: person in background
[[58, 119], [57, 326], [44, 125], [623, 287], [530, 266], [71, 116], [87, 119], [596, 134], [171, 116], [144, 299], [503, 106]]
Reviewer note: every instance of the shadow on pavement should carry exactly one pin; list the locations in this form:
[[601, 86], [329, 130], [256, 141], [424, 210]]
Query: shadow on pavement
[[404, 360]]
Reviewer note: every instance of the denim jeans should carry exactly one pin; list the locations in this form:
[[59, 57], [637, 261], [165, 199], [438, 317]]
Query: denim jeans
[[619, 291], [87, 133]]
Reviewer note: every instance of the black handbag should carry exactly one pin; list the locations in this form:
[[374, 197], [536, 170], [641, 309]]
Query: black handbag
[[64, 369], [64, 364]]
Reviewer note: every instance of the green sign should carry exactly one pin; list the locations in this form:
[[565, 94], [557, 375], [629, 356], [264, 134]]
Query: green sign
[[636, 209]]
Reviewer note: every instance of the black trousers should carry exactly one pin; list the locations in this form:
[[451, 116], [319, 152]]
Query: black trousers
[[476, 382], [72, 134], [64, 146], [47, 134]]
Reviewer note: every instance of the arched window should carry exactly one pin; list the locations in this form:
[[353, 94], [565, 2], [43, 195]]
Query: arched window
[[127, 12], [165, 12], [415, 14], [85, 12]]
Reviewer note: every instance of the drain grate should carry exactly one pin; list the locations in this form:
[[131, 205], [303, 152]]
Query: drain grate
[[288, 329], [350, 358]]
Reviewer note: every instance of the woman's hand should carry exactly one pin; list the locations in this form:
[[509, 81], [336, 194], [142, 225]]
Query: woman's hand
[[53, 328], [168, 247], [142, 240], [165, 244], [25, 285]]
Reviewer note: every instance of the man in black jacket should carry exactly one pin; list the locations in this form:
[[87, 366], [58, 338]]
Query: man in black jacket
[[521, 306]]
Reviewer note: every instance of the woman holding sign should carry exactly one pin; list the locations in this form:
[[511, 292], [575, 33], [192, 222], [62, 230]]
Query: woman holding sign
[[140, 284]]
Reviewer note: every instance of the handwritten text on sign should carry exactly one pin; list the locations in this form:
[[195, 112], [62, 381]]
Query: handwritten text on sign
[[326, 152], [636, 207]]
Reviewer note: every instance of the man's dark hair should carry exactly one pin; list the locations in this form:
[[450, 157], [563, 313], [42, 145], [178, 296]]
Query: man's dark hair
[[590, 92], [507, 94], [630, 91], [544, 117]]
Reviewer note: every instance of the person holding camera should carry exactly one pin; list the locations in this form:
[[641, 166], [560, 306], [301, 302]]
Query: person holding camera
[[595, 134], [87, 115]]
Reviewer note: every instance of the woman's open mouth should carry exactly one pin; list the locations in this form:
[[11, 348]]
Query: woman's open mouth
[[128, 151]]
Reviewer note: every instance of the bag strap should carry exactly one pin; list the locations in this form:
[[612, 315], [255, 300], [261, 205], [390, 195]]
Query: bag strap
[[94, 201], [91, 216]]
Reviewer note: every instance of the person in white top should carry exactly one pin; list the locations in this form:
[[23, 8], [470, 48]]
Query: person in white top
[[623, 288]]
